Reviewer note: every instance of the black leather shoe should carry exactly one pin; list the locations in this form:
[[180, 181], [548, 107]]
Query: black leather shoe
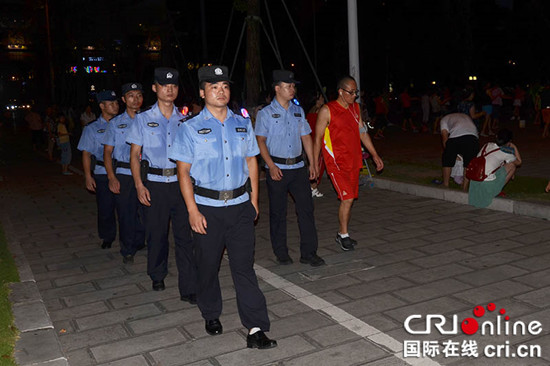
[[260, 341], [142, 246], [213, 327], [106, 244], [191, 298], [285, 260], [128, 259], [314, 261], [158, 285]]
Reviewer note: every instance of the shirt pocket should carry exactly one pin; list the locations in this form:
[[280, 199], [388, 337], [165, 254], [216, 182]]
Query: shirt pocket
[[206, 148]]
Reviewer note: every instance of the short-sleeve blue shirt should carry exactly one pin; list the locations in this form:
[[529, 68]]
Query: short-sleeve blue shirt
[[217, 153], [283, 129], [155, 134], [92, 141], [115, 136]]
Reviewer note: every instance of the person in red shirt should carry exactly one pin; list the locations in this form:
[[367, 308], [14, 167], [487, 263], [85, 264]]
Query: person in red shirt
[[406, 101], [339, 133]]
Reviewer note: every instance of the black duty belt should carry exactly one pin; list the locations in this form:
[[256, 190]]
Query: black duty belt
[[167, 172], [287, 161], [99, 163], [222, 195], [122, 164]]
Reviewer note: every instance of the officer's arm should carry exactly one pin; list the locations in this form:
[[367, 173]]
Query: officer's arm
[[274, 170], [323, 119], [307, 143], [252, 163], [142, 192], [114, 184], [87, 166], [196, 220]]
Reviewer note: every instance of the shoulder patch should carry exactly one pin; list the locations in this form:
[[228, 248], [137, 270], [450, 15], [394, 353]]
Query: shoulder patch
[[297, 114], [123, 125], [152, 124], [240, 129], [204, 131], [275, 115], [101, 130]]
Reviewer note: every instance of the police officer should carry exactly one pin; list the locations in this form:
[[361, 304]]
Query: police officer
[[282, 129], [91, 145], [218, 174], [152, 135], [116, 155]]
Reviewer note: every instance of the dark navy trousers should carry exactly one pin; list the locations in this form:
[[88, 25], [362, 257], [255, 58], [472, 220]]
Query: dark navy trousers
[[106, 203], [168, 207], [295, 181], [131, 229], [230, 227]]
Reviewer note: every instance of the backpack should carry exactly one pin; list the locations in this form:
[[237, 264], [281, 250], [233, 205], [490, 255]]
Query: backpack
[[476, 168]]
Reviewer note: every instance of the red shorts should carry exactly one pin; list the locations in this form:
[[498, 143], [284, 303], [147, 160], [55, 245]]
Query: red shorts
[[345, 182]]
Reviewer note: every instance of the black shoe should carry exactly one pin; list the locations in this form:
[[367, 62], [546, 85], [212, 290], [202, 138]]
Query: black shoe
[[260, 341], [285, 260], [106, 244], [128, 259], [191, 298], [345, 243], [142, 246], [213, 327], [314, 261], [158, 285]]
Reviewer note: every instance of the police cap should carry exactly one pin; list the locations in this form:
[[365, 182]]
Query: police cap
[[131, 86], [105, 95], [166, 75], [285, 76], [213, 74]]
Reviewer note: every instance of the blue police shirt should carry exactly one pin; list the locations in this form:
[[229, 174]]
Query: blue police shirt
[[217, 153], [115, 136], [92, 141], [155, 134]]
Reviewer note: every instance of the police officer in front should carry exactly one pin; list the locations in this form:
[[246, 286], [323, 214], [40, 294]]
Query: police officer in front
[[116, 155], [282, 129], [91, 145], [151, 136], [218, 174]]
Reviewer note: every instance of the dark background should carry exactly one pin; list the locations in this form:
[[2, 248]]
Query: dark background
[[402, 43]]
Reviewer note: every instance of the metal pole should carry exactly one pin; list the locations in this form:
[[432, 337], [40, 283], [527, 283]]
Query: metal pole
[[50, 52], [353, 42]]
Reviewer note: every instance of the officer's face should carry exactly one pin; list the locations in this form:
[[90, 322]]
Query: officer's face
[[166, 93], [133, 99], [109, 107], [216, 94], [285, 91]]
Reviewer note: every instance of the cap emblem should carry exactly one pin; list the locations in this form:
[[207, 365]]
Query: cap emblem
[[169, 75], [218, 71]]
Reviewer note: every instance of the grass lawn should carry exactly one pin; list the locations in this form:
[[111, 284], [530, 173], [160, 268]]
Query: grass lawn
[[529, 189], [8, 332]]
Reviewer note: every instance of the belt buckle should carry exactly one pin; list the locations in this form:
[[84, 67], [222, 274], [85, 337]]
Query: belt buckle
[[167, 172], [289, 161], [226, 195]]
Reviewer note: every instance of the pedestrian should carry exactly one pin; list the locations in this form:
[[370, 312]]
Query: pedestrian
[[218, 175], [36, 126], [64, 143], [95, 175], [151, 136], [501, 160], [458, 136], [282, 132], [116, 155], [341, 146], [87, 116]]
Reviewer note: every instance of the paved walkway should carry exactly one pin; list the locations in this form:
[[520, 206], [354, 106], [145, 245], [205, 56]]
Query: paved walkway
[[79, 305]]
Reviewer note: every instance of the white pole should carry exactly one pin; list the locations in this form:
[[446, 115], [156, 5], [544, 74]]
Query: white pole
[[353, 42]]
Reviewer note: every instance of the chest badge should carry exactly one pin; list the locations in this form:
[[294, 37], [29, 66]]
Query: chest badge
[[152, 124], [297, 115], [101, 130], [204, 131], [240, 129], [275, 115], [124, 125]]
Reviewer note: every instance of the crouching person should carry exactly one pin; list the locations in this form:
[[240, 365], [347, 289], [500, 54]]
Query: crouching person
[[501, 160]]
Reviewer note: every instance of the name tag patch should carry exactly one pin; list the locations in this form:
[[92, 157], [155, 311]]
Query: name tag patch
[[204, 131], [276, 115], [152, 124], [122, 125], [240, 129]]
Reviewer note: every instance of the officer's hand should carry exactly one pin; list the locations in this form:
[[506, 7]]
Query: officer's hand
[[90, 184], [144, 196], [114, 186], [312, 172], [197, 222], [276, 173], [255, 204], [379, 163]]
